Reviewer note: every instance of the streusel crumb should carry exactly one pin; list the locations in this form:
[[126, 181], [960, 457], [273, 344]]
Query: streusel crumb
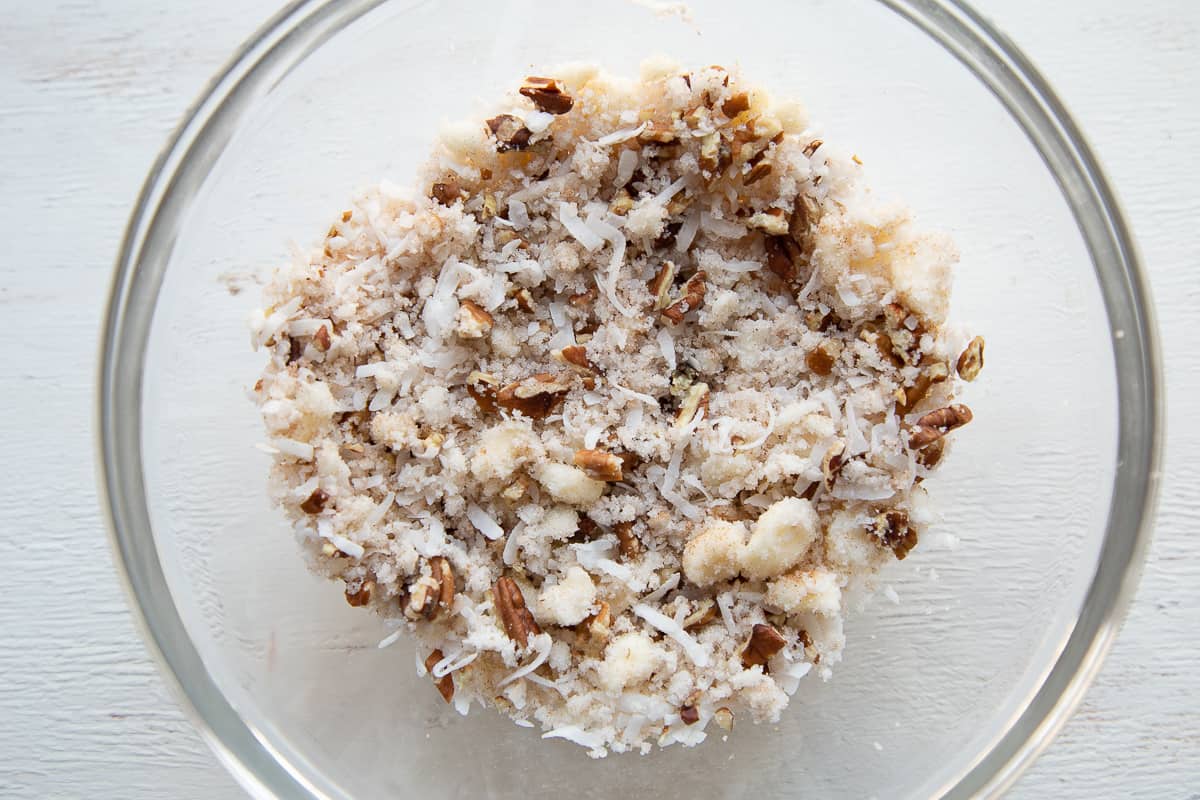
[[614, 410]]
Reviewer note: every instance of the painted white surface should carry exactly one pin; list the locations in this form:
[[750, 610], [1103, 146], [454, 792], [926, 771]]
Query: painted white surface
[[89, 92]]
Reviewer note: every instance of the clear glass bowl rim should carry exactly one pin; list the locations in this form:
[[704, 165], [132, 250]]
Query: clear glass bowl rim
[[291, 35]]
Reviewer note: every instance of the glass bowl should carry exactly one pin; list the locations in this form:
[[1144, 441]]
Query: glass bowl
[[950, 692]]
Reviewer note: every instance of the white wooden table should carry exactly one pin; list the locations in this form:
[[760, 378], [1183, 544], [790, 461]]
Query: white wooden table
[[88, 93]]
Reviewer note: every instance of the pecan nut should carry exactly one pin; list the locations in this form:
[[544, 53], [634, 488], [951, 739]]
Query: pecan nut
[[431, 593], [895, 531], [783, 257], [660, 285], [362, 596], [517, 620], [547, 95], [536, 397], [510, 133], [970, 362], [482, 388], [630, 546], [693, 298], [600, 465], [472, 320], [694, 403], [446, 192], [315, 502], [936, 373], [819, 360], [574, 355], [444, 684], [936, 424], [764, 642]]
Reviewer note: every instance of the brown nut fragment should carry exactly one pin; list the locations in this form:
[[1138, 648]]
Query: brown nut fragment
[[783, 256], [473, 320], [362, 596], [893, 528], [764, 642], [518, 622], [929, 456], [510, 133], [574, 355], [936, 424], [536, 397], [773, 222], [705, 612], [710, 151], [736, 104], [658, 132], [446, 192], [819, 361], [689, 714], [430, 594], [321, 340], [482, 388], [599, 465], [693, 298], [622, 203], [599, 625], [832, 463], [936, 373], [584, 299], [724, 719], [444, 684], [660, 285], [547, 95], [695, 402], [628, 544], [812, 147], [806, 213], [971, 361], [524, 300], [315, 503], [757, 172]]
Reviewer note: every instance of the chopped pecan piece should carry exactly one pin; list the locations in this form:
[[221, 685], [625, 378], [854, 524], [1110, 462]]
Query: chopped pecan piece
[[659, 132], [446, 192], [971, 361], [320, 339], [695, 402], [812, 147], [693, 297], [584, 299], [547, 95], [893, 528], [622, 203], [806, 213], [704, 613], [598, 625], [660, 285], [764, 642], [430, 594], [724, 718], [773, 222], [518, 622], [524, 300], [315, 503], [362, 596], [482, 388], [444, 684], [736, 104], [783, 257], [710, 151], [832, 463], [929, 456], [936, 424], [473, 320], [535, 397], [914, 394], [819, 361], [574, 355], [689, 714], [599, 465], [757, 172], [510, 133], [630, 545]]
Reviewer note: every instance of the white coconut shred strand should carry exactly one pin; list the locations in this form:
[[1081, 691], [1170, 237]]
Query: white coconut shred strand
[[632, 381]]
